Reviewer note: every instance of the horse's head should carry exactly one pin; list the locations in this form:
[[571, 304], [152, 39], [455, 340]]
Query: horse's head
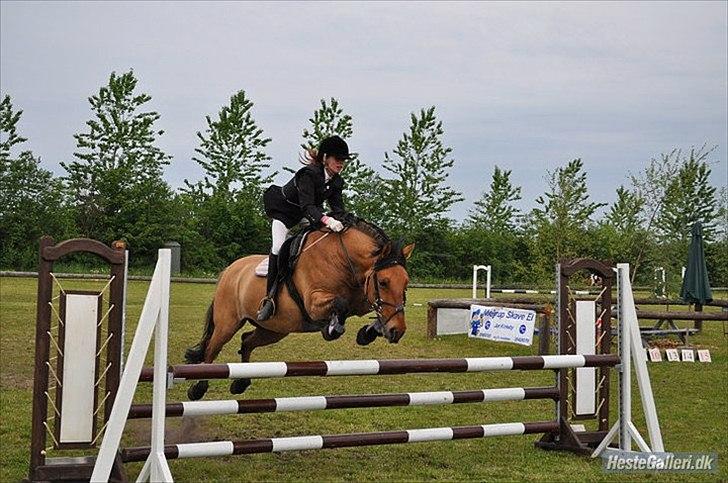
[[386, 291]]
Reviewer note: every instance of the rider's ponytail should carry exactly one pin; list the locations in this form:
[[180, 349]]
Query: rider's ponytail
[[310, 156]]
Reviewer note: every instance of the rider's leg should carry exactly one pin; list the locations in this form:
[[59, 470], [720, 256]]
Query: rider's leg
[[279, 232]]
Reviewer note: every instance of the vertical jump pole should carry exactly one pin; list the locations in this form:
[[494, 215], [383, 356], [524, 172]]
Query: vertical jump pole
[[157, 462], [631, 351], [155, 306]]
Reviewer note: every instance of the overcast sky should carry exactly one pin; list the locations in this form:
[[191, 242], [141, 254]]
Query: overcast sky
[[525, 86]]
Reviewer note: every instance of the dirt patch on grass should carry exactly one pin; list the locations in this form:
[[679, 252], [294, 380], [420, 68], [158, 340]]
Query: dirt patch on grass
[[17, 381]]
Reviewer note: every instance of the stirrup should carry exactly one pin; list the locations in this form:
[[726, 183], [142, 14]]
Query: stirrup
[[266, 309]]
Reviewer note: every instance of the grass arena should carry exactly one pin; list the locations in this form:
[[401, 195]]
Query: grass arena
[[690, 399]]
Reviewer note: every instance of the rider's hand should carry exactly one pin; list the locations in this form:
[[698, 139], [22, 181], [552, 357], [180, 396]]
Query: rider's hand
[[332, 224]]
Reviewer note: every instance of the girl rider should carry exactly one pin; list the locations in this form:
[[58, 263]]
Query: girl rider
[[302, 198]]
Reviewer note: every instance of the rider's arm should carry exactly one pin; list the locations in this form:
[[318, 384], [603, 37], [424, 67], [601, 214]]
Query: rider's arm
[[336, 201], [306, 198]]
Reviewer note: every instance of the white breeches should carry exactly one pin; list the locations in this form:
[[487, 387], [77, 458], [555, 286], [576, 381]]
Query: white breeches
[[280, 232]]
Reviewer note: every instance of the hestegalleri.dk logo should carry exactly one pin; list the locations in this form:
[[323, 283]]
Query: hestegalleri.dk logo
[[622, 461]]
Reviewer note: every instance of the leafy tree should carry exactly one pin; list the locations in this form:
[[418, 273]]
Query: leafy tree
[[9, 136], [489, 235], [417, 197], [560, 222], [226, 208], [621, 236], [716, 253], [494, 210], [689, 197], [362, 183], [116, 180], [675, 190], [232, 151], [32, 201], [651, 186], [626, 212]]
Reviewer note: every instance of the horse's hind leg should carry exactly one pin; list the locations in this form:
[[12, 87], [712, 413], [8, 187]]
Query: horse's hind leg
[[250, 340], [225, 328]]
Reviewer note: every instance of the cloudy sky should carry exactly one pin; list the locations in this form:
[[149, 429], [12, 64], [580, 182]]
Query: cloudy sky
[[525, 86]]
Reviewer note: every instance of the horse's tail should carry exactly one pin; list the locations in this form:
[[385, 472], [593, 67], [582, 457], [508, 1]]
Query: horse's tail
[[196, 353]]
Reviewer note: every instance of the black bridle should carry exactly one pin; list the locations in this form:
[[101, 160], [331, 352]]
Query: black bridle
[[378, 304]]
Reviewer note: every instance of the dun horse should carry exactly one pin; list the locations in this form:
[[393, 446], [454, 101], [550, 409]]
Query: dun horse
[[353, 272]]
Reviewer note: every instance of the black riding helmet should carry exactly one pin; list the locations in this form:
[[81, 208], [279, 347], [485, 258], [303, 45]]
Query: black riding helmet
[[334, 146]]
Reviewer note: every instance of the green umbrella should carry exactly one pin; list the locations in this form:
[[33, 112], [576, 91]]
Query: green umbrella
[[695, 285]]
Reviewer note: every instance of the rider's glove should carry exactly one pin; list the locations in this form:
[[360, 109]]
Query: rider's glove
[[332, 223]]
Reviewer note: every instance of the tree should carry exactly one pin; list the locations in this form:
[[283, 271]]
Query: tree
[[362, 183], [625, 214], [620, 235], [689, 198], [673, 187], [415, 201], [716, 253], [651, 186], [563, 216], [232, 151], [32, 200], [226, 208], [417, 197], [116, 180], [494, 210], [490, 235]]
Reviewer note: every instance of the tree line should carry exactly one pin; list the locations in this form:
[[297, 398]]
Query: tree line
[[114, 188]]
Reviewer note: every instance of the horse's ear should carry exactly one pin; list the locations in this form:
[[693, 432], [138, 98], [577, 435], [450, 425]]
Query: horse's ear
[[386, 250], [407, 251]]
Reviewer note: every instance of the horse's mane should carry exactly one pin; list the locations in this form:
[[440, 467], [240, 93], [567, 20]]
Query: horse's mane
[[373, 231], [395, 255]]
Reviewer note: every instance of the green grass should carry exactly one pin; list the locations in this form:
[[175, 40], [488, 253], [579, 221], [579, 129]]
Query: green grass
[[692, 402]]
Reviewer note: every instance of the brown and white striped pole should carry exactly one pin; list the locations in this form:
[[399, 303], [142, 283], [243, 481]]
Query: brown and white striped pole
[[307, 403], [297, 443], [257, 370]]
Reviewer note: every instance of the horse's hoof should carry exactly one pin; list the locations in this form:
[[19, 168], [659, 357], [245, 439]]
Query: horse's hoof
[[197, 390], [365, 336], [238, 386], [334, 334]]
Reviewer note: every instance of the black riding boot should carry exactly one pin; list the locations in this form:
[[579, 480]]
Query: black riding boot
[[267, 308]]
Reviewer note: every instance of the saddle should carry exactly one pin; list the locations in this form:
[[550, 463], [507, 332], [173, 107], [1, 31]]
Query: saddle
[[287, 257]]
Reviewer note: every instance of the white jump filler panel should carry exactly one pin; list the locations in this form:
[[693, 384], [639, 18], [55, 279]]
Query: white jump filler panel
[[79, 369], [452, 321], [586, 377]]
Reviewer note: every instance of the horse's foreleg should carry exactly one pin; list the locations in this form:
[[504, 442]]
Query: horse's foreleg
[[335, 328], [225, 329], [250, 340], [325, 305]]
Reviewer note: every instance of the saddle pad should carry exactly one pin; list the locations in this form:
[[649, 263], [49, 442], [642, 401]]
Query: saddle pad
[[262, 269]]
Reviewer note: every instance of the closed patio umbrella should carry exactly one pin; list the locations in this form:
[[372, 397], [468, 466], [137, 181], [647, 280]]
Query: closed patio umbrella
[[695, 285]]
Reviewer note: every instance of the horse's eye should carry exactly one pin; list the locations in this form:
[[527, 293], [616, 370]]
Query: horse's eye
[[384, 282]]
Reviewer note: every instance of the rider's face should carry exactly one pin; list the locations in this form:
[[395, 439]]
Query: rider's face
[[333, 165]]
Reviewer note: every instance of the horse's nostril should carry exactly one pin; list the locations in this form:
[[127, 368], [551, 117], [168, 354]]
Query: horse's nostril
[[393, 335]]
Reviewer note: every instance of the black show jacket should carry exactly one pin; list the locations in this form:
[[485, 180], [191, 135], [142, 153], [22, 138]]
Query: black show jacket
[[304, 195]]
